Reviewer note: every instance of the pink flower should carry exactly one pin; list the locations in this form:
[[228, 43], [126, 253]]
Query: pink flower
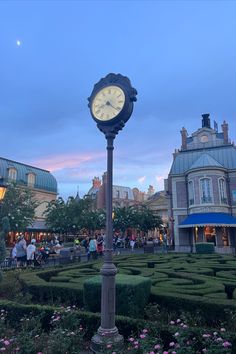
[[178, 320], [2, 349], [152, 353], [172, 322], [157, 346], [173, 353], [171, 344], [131, 339], [222, 329], [109, 346], [204, 350], [165, 352], [142, 336], [206, 335], [176, 334], [226, 344], [136, 347], [6, 342], [145, 330]]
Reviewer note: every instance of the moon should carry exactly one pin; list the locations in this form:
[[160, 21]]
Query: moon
[[18, 43]]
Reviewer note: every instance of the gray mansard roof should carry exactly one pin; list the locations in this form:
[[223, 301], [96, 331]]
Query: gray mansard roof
[[44, 180], [222, 156]]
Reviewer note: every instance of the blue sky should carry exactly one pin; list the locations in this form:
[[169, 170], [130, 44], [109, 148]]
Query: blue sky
[[179, 55]]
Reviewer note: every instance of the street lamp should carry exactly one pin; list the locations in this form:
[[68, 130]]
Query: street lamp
[[3, 189], [111, 105]]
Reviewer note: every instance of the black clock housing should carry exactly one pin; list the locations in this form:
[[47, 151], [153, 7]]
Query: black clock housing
[[118, 122]]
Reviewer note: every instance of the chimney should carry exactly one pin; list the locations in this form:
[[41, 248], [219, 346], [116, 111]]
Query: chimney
[[97, 182], [206, 123], [104, 178], [225, 129], [184, 138]]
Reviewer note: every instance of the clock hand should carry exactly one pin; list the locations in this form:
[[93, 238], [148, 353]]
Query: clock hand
[[109, 104]]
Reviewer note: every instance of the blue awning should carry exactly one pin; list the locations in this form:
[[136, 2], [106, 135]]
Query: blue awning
[[208, 219]]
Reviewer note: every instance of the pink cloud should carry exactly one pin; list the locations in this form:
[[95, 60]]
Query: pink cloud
[[60, 162]]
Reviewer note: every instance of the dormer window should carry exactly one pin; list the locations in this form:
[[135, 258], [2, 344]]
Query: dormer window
[[31, 179], [12, 174]]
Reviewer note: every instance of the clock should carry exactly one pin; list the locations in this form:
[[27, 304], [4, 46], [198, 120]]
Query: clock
[[108, 103], [111, 102], [204, 139]]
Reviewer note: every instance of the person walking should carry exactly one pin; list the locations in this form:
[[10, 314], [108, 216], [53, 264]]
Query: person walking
[[31, 249]]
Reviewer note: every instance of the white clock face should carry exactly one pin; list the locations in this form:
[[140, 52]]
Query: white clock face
[[108, 103], [204, 138]]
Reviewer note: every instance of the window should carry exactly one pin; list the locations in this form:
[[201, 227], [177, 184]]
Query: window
[[12, 174], [31, 179], [117, 194], [126, 195], [206, 190], [222, 191], [190, 193]]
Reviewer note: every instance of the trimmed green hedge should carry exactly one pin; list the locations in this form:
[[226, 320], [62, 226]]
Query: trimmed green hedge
[[132, 294], [205, 247]]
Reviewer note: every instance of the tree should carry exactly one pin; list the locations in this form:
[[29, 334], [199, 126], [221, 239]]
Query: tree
[[19, 206], [146, 220], [123, 218], [3, 234]]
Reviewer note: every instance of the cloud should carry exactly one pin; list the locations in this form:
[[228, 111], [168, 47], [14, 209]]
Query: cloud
[[141, 180], [66, 161]]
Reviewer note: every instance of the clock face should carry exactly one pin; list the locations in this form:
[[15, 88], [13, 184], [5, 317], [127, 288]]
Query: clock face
[[108, 103], [204, 138]]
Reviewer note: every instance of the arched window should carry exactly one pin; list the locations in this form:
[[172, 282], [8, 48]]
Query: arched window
[[31, 179], [206, 190], [222, 191], [12, 174], [191, 193]]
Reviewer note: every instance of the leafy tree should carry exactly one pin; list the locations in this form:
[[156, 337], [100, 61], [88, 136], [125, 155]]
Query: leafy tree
[[3, 234], [124, 218], [145, 219], [19, 206], [55, 215]]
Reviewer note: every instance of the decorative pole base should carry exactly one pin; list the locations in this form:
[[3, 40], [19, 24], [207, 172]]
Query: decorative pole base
[[107, 338]]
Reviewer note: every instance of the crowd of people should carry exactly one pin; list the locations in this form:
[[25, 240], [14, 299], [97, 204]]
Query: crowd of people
[[28, 255]]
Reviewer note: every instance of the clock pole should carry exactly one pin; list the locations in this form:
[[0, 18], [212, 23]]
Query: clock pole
[[107, 332]]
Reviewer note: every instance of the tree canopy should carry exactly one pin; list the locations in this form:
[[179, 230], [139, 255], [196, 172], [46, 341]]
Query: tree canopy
[[19, 206]]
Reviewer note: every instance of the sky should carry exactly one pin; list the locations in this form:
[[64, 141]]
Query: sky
[[179, 55]]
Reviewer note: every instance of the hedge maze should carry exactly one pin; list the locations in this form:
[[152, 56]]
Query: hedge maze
[[190, 282]]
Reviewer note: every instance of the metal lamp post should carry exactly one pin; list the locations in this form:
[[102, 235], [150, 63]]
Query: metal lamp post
[[111, 105]]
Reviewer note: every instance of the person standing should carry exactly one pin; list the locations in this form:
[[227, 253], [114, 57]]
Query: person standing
[[132, 242], [93, 247], [21, 251], [31, 249]]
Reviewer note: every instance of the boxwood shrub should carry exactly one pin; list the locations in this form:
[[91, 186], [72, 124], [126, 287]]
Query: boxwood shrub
[[132, 294]]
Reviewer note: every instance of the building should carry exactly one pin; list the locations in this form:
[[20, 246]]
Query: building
[[42, 183], [158, 203], [202, 189], [122, 196]]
